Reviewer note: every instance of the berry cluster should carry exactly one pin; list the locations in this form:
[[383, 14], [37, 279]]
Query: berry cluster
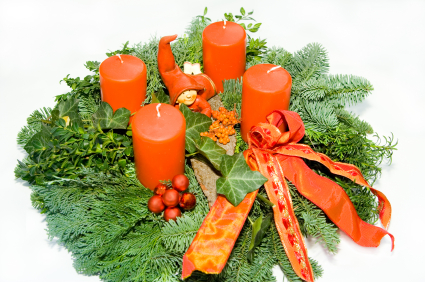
[[222, 127], [171, 198]]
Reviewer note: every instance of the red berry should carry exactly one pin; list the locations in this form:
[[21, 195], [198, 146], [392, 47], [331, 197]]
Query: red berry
[[171, 198], [172, 213], [188, 201], [155, 204], [180, 182], [160, 189]]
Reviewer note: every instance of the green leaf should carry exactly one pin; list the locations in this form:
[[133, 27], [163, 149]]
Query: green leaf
[[238, 179], [242, 11], [154, 99], [209, 149], [69, 108], [259, 230], [39, 141], [160, 97], [242, 25], [205, 10], [106, 119], [195, 124]]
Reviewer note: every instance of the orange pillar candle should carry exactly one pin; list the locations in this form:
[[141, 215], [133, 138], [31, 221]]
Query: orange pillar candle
[[224, 52], [265, 88], [123, 82], [159, 132]]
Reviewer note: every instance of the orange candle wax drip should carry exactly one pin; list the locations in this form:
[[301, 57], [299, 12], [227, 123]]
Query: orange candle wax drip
[[123, 82], [159, 132], [265, 88], [224, 52]]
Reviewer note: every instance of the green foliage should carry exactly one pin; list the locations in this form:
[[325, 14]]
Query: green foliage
[[86, 90], [105, 118], [61, 151], [125, 50], [313, 221], [210, 150], [255, 47], [34, 123], [241, 145], [195, 124], [83, 178], [238, 179], [232, 95], [275, 246], [259, 230], [160, 97]]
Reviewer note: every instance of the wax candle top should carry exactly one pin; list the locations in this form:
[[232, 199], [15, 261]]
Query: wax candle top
[[264, 78], [217, 35], [130, 68], [150, 125]]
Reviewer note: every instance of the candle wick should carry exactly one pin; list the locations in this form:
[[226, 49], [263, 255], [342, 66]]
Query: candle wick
[[224, 26], [157, 110], [273, 68], [119, 56]]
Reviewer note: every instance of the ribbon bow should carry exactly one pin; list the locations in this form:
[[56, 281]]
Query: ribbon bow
[[278, 156]]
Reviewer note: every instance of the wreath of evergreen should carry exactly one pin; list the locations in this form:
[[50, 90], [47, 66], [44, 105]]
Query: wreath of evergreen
[[81, 169]]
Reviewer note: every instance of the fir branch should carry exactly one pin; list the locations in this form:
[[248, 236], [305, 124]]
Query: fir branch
[[313, 221], [34, 122], [318, 116], [310, 62], [232, 95], [275, 246], [177, 235], [148, 52], [339, 90]]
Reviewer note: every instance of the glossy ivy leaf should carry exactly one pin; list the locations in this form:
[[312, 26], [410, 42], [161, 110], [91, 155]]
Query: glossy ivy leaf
[[238, 179], [69, 108], [105, 118], [195, 124], [160, 97], [259, 230], [209, 149]]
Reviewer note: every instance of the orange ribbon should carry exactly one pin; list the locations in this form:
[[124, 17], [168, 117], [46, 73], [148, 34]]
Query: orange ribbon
[[277, 156]]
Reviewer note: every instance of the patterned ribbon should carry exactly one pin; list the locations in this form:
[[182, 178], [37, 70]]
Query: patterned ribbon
[[277, 156]]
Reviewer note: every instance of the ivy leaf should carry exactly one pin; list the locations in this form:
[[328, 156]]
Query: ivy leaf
[[259, 230], [160, 97], [195, 124], [105, 117], [69, 108], [209, 149], [238, 179]]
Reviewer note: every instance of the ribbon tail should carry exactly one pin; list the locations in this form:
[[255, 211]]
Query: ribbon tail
[[284, 216], [384, 208], [333, 200], [213, 244], [347, 170]]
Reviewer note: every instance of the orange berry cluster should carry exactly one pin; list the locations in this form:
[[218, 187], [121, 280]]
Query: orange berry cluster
[[222, 127]]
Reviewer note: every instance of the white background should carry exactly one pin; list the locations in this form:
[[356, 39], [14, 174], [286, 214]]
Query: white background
[[384, 41]]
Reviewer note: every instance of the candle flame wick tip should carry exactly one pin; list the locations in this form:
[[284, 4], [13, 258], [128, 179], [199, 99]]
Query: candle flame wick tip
[[273, 68], [119, 56], [157, 110]]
